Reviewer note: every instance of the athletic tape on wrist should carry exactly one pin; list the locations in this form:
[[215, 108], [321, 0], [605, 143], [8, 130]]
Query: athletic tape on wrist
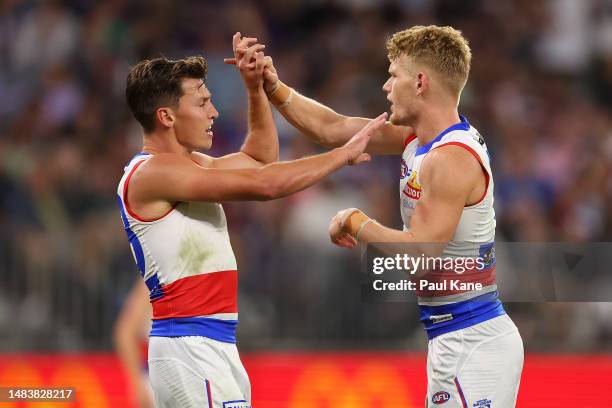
[[282, 95], [354, 221]]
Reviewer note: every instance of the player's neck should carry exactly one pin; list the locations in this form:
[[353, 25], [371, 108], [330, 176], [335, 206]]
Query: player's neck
[[432, 123], [157, 142]]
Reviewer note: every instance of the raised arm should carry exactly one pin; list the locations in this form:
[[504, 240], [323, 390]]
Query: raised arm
[[260, 145], [322, 124]]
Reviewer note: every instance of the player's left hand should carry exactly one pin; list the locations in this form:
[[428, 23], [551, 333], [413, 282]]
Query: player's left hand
[[337, 231]]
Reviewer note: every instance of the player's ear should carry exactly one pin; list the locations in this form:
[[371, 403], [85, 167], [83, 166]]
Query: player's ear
[[165, 116], [421, 83]]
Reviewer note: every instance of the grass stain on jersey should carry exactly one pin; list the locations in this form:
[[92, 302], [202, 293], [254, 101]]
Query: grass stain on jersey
[[193, 253]]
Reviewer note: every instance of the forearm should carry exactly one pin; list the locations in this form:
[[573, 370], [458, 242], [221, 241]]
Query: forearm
[[129, 352], [321, 124], [261, 142], [286, 178]]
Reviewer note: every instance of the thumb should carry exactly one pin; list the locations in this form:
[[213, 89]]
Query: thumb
[[229, 61], [362, 158]]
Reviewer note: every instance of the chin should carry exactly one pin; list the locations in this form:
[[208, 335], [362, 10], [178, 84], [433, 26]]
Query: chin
[[395, 119]]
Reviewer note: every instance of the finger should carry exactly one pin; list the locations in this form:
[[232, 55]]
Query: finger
[[345, 242], [229, 61], [259, 62], [362, 158], [375, 123], [350, 239], [248, 55], [270, 63], [235, 40], [247, 42]]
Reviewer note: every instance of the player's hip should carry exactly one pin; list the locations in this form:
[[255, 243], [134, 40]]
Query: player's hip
[[495, 342]]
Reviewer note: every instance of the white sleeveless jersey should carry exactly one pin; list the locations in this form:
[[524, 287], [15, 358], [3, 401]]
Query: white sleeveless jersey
[[443, 308], [187, 262]]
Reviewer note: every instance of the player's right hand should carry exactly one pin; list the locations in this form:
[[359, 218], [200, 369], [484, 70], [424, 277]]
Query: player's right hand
[[357, 144], [270, 75], [249, 59]]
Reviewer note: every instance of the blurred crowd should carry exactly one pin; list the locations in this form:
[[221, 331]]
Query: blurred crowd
[[540, 92]]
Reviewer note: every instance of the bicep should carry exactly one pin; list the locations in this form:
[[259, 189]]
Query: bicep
[[436, 216], [181, 179], [448, 177], [236, 160]]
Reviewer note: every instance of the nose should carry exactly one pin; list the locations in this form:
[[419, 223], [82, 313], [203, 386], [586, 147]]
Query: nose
[[214, 112], [387, 86]]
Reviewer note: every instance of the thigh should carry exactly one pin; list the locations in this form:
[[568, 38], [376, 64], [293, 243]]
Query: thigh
[[490, 376], [192, 372], [443, 356]]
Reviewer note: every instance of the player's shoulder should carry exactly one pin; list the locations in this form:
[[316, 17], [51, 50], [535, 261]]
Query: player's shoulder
[[451, 161], [159, 166]]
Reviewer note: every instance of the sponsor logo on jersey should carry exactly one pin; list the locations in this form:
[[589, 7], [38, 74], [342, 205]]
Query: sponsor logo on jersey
[[412, 188], [483, 403], [236, 404], [404, 169], [440, 397]]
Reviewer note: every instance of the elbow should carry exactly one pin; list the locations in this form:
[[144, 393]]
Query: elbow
[[267, 189]]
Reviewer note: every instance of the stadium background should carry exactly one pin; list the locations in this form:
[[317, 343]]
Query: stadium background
[[540, 92]]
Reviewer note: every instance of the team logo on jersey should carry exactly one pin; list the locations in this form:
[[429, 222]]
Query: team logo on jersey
[[483, 403], [412, 188], [236, 404], [440, 397], [487, 254], [403, 169]]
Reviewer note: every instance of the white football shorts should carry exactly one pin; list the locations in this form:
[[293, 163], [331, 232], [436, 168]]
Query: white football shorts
[[476, 367], [196, 371]]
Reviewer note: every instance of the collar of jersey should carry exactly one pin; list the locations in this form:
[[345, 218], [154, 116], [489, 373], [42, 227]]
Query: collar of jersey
[[463, 125]]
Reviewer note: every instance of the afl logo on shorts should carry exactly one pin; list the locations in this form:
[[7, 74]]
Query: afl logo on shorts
[[440, 397], [403, 169]]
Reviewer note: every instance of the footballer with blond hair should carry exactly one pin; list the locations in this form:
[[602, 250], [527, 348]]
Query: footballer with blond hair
[[475, 352], [170, 202]]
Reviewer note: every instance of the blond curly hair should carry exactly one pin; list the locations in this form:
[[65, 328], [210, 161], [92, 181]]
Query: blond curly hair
[[443, 49]]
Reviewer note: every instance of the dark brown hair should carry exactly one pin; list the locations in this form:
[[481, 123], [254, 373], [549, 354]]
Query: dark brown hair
[[154, 83]]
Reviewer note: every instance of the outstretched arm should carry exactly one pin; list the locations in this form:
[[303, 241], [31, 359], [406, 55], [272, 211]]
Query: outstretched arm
[[165, 179], [322, 124]]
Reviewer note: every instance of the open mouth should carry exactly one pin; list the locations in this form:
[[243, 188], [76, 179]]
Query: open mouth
[[209, 131]]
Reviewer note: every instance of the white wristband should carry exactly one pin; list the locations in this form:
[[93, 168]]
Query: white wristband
[[362, 226]]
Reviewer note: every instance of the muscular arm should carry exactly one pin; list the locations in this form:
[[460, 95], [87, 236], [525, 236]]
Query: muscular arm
[[328, 128], [260, 145], [165, 179], [170, 178], [451, 178]]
